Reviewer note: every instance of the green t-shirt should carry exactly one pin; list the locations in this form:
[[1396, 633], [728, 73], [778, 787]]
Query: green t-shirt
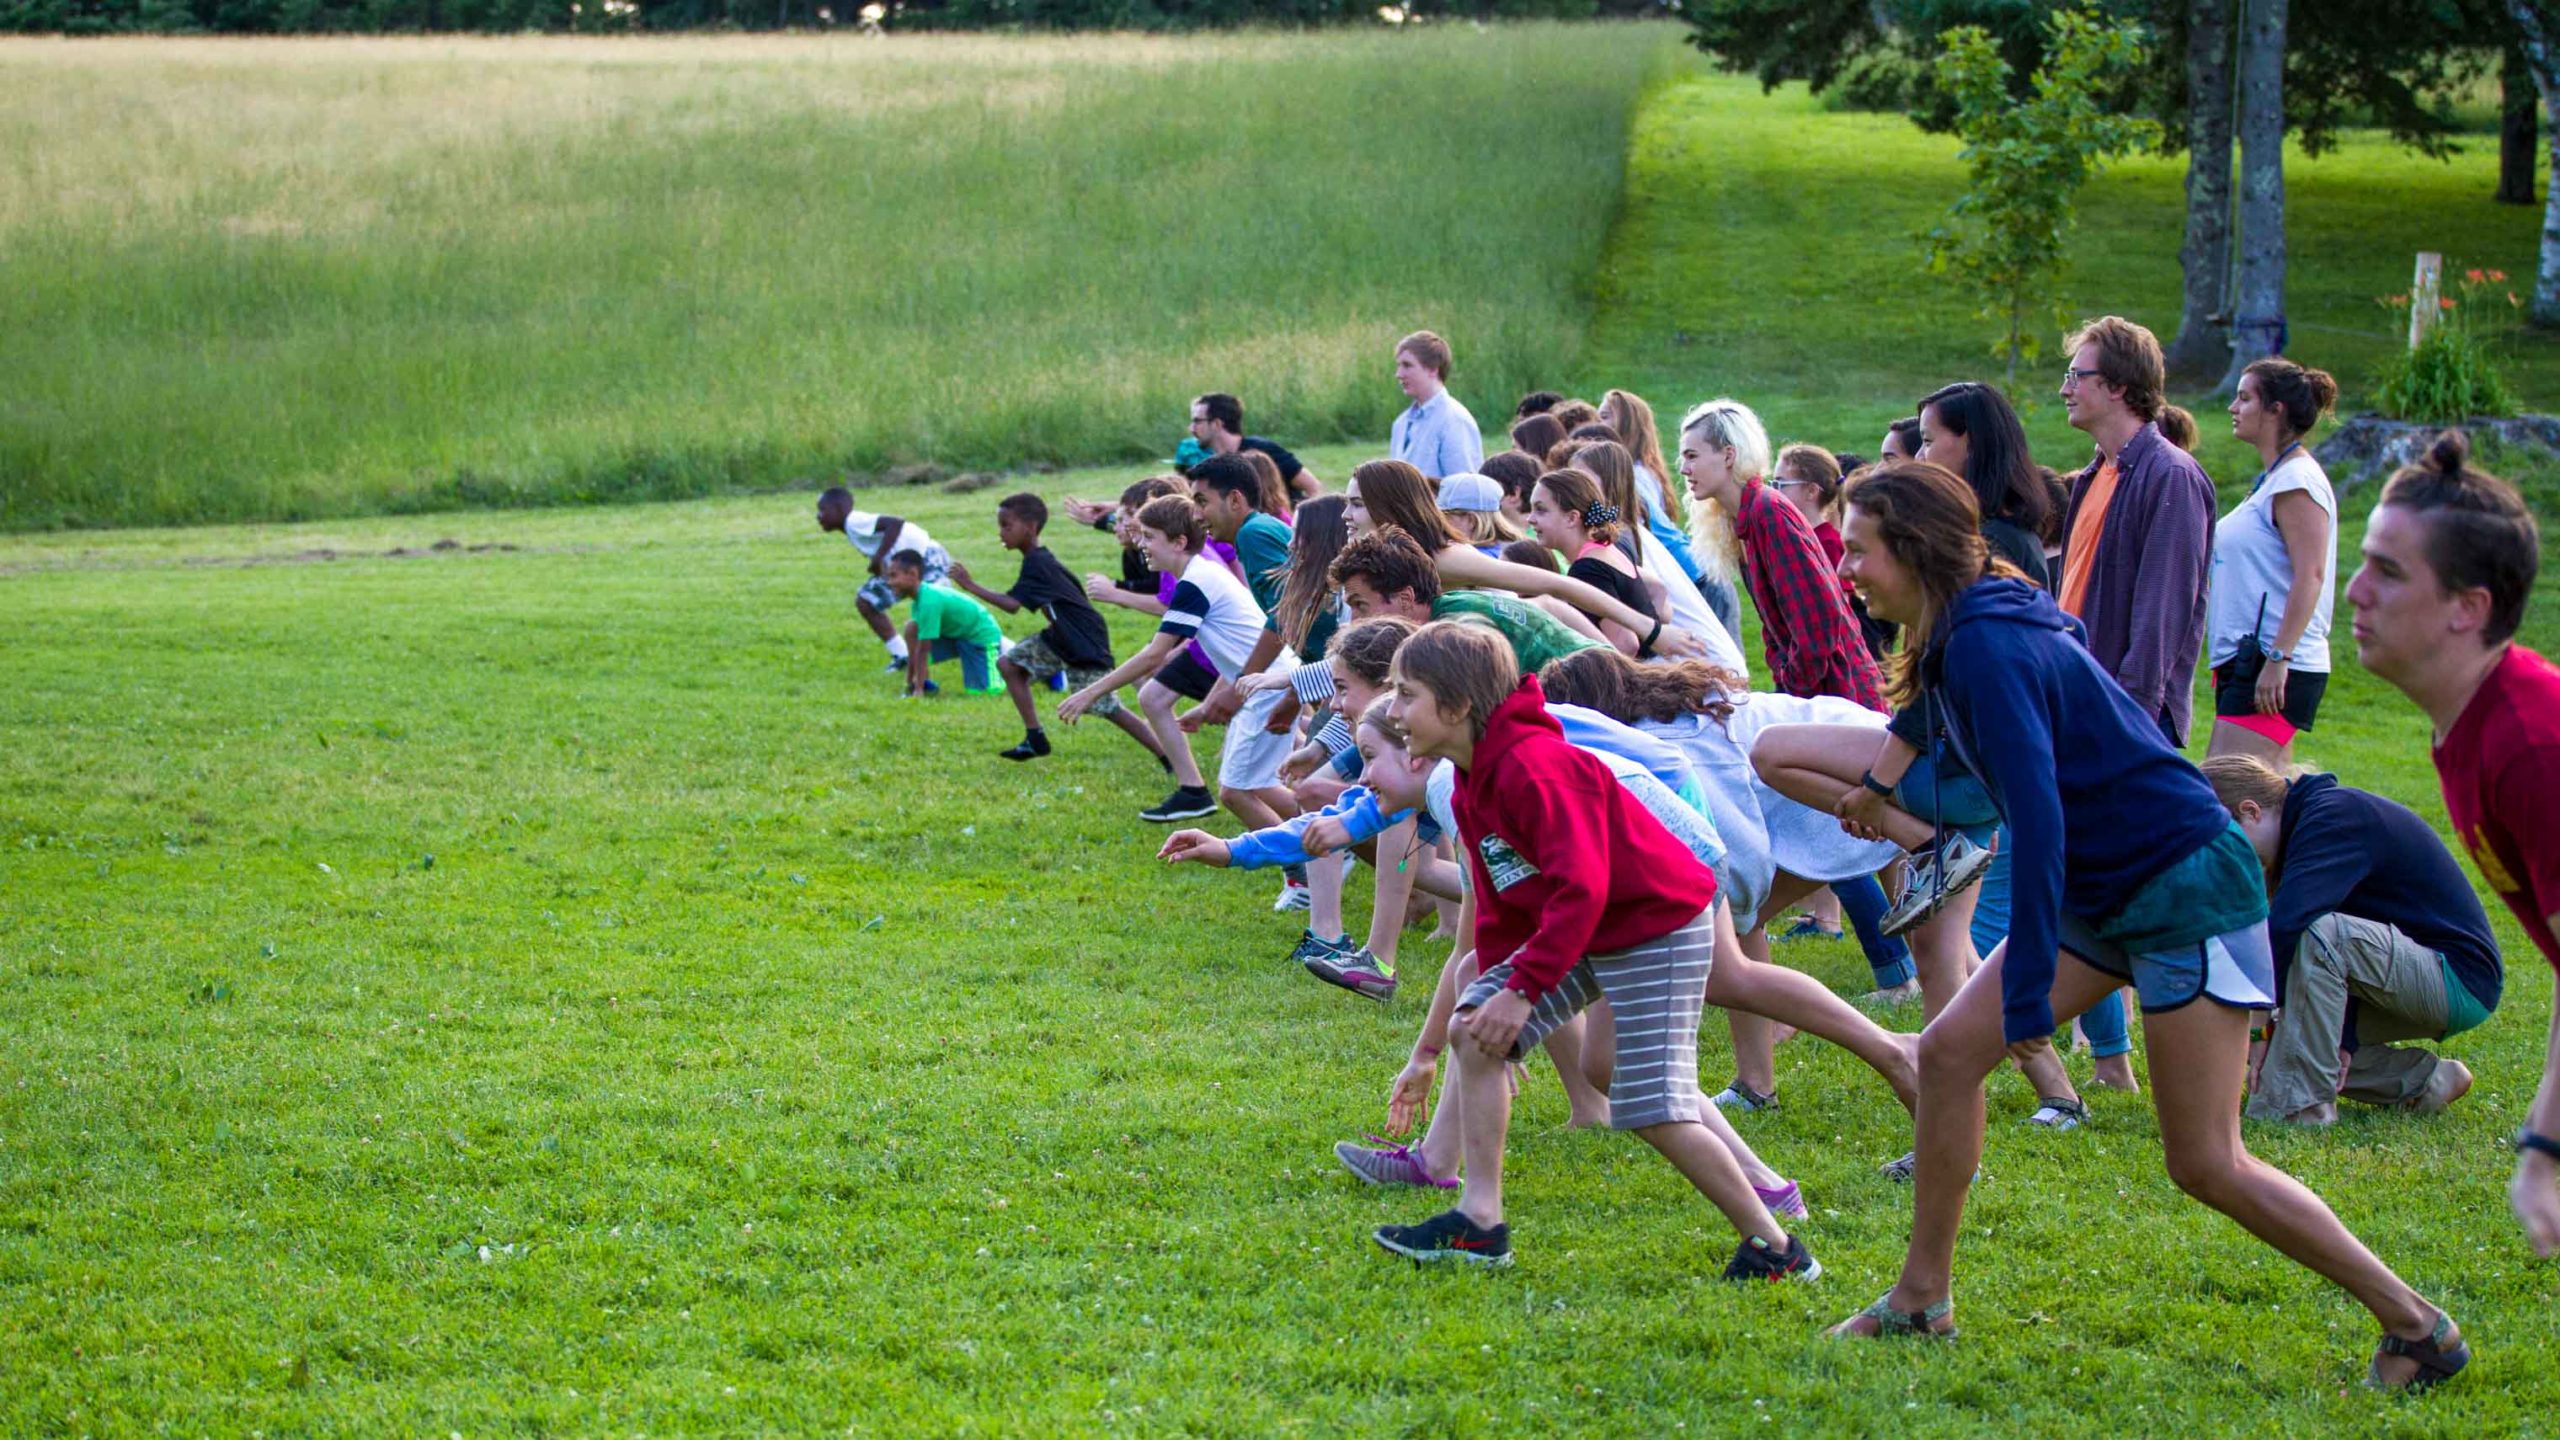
[[942, 613], [1536, 637], [1262, 548]]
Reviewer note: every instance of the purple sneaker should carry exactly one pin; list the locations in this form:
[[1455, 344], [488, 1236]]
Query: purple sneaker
[[1390, 1164], [1786, 1200], [1356, 971]]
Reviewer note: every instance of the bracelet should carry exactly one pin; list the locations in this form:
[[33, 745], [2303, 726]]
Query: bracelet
[[1426, 1052], [2539, 1144], [1871, 782], [1645, 646]]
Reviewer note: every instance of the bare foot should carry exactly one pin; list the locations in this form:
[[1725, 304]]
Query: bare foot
[[2451, 1082], [1596, 1119], [2116, 1073], [1906, 993]]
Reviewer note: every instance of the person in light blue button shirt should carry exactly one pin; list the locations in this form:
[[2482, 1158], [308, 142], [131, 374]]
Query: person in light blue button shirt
[[1435, 434]]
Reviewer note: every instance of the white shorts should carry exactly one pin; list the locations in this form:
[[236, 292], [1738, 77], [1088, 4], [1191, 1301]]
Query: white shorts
[[1250, 758]]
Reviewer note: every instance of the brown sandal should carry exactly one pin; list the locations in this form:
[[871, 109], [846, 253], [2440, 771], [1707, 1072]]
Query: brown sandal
[[2436, 1361]]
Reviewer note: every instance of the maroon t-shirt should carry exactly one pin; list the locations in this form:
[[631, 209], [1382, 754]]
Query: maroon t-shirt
[[2500, 768]]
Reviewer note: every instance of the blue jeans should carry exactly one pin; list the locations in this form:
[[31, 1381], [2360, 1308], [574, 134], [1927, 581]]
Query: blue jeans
[[1863, 904], [973, 661], [2104, 1023]]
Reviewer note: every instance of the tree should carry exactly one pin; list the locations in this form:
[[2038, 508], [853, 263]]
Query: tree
[[2538, 21], [2027, 160], [2205, 256], [2257, 321], [2519, 138]]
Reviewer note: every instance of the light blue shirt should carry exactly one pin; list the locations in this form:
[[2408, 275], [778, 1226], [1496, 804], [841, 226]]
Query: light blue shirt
[[1437, 437]]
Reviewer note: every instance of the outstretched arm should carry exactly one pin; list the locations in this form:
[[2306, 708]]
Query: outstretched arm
[[1158, 649], [2535, 1195], [1464, 566]]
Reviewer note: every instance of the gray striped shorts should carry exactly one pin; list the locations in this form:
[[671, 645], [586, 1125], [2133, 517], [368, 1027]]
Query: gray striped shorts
[[1655, 991]]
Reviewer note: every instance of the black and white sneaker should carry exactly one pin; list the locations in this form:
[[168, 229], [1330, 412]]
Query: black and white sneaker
[[1447, 1236], [1187, 802], [1756, 1261], [1937, 876]]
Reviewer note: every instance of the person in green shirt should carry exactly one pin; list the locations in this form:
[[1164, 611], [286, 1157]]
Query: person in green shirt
[[1386, 572], [944, 625]]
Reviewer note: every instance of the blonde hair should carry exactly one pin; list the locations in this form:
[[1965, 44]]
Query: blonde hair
[[2235, 778], [1484, 527]]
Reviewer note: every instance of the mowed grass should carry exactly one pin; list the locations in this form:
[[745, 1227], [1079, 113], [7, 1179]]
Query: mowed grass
[[277, 279], [559, 990], [1768, 253]]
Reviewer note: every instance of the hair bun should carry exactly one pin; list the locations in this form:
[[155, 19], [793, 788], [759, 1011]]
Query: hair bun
[[2451, 453]]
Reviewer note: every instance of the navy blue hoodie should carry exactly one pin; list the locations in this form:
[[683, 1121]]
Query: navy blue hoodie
[[2095, 800], [2355, 853]]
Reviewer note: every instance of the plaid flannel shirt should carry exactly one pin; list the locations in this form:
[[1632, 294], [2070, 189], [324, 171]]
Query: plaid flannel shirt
[[1812, 638]]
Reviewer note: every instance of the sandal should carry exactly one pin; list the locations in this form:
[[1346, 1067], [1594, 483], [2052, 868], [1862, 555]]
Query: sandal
[[1891, 1322], [2436, 1362], [2053, 1112]]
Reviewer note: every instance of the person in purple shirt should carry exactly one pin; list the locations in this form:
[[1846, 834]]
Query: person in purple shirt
[[1435, 434]]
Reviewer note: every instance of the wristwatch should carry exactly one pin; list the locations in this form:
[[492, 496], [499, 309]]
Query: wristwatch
[[1871, 782], [2539, 1144]]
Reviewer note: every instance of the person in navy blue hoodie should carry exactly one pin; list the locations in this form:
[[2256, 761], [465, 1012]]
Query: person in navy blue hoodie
[[2128, 870], [2377, 938]]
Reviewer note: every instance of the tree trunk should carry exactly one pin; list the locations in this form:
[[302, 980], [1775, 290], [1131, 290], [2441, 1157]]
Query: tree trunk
[[2540, 22], [2519, 138], [2201, 346], [2257, 319]]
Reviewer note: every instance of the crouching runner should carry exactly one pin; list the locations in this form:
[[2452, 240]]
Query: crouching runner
[[1580, 895]]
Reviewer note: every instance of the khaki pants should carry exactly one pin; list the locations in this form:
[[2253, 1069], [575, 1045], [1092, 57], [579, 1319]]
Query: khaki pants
[[2397, 985]]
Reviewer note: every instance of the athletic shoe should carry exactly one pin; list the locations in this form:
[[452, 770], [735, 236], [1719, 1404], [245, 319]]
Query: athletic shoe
[[1031, 746], [1738, 1096], [2451, 1082], [1312, 948], [1294, 895], [1447, 1236], [1936, 877], [1900, 1171], [2055, 1113], [1187, 802], [1807, 928], [1754, 1260], [895, 666], [1390, 1165], [1357, 971], [1786, 1200]]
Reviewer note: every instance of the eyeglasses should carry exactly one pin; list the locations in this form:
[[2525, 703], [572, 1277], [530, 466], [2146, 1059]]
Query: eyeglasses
[[2072, 376]]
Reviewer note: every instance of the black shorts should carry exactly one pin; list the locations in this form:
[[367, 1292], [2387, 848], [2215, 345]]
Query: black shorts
[[2235, 694], [1186, 676]]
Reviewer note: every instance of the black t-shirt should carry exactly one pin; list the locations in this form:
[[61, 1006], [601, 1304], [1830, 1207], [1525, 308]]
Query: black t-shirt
[[2011, 542], [1609, 580], [1076, 631], [1288, 463], [1135, 573]]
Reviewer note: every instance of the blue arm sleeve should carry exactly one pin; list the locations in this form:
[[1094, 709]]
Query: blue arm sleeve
[[1362, 817], [2011, 735], [1279, 845]]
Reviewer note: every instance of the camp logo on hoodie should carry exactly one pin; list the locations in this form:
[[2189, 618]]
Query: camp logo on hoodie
[[1503, 863]]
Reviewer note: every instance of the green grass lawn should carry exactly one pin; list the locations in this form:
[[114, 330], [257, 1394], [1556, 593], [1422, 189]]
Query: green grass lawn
[[559, 989], [278, 279], [545, 983]]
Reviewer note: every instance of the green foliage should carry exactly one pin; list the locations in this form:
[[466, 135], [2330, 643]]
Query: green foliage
[[290, 17], [414, 277], [2453, 372], [2004, 236]]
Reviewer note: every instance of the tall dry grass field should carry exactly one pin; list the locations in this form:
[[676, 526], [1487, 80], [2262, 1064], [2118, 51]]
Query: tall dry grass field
[[273, 278]]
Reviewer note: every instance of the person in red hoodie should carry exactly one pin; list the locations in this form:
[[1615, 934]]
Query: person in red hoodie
[[1581, 895]]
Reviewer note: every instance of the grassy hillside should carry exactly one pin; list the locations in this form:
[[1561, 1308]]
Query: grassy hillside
[[276, 279]]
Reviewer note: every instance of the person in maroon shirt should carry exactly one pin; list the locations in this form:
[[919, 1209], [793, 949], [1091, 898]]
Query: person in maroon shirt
[[1806, 626], [2449, 559], [1580, 895]]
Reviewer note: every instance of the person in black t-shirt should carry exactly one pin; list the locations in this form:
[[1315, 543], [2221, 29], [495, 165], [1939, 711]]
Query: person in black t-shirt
[[1217, 421], [1076, 644]]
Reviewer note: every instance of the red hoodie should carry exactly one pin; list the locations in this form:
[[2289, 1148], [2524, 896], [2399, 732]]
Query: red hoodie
[[1565, 862]]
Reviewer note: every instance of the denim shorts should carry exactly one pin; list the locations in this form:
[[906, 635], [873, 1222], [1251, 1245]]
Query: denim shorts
[[1939, 790]]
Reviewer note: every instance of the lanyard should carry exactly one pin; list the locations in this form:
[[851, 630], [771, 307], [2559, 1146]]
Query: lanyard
[[2274, 466]]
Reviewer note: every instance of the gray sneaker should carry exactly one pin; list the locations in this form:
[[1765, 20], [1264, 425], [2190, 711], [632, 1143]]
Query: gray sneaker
[[1936, 877], [1741, 1097], [1357, 971], [1311, 948]]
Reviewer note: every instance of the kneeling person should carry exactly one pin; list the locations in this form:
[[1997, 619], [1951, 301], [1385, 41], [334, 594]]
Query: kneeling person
[[1580, 895], [2377, 938], [944, 625]]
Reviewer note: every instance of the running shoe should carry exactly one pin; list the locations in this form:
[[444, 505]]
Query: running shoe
[[1390, 1164], [1806, 928], [2053, 1112], [1031, 746], [1294, 895], [1187, 802], [1936, 877], [1447, 1236], [1900, 1171], [1312, 947], [1754, 1260], [1738, 1096], [1357, 971], [1786, 1200]]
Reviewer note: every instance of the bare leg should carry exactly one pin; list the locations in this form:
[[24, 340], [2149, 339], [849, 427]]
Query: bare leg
[[1324, 892], [1439, 1148], [1017, 687], [1817, 764], [1157, 701], [1484, 1095], [1755, 1048], [1958, 1052], [1252, 807], [1740, 980], [877, 620], [1138, 730], [1695, 1152], [1393, 861], [1824, 907], [1754, 1169], [1566, 1046], [2201, 1052]]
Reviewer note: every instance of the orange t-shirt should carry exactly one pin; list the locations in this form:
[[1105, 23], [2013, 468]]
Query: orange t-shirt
[[2080, 547]]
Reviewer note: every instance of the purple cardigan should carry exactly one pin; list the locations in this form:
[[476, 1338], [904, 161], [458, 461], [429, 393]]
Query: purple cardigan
[[2145, 604]]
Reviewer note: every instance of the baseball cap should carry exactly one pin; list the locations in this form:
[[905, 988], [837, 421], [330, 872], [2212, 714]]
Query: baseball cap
[[1467, 490]]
